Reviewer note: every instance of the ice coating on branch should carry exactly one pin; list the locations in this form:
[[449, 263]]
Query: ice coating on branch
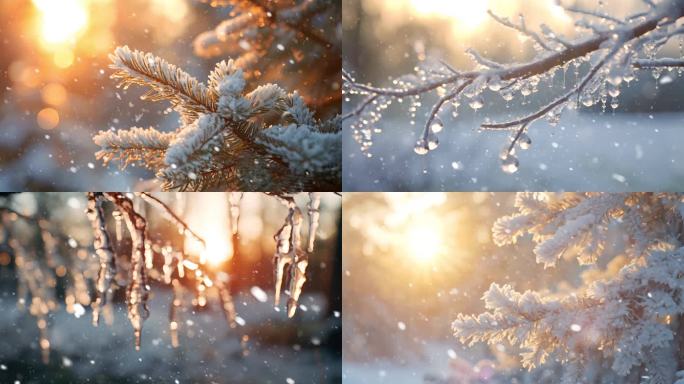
[[298, 268], [314, 215], [104, 252], [105, 272], [289, 252], [118, 222], [234, 199], [137, 290], [604, 53], [282, 256], [227, 304]]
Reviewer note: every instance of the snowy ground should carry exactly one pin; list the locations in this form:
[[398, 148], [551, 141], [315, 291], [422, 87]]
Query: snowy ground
[[388, 371], [280, 350], [586, 151], [440, 362]]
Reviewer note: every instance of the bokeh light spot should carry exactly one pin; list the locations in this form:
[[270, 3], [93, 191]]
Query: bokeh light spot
[[54, 94], [48, 118]]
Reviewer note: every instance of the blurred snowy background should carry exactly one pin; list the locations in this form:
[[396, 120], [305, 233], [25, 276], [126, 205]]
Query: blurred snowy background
[[265, 347], [412, 262], [633, 147]]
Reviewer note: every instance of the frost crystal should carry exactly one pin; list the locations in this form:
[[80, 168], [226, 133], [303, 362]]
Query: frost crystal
[[628, 315], [264, 139]]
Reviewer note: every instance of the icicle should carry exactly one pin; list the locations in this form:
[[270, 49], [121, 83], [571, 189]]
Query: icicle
[[181, 202], [181, 265], [104, 251], [226, 300], [118, 219], [173, 312], [289, 252], [300, 262], [32, 276], [314, 214], [149, 256], [282, 257], [167, 268], [297, 280], [234, 201], [201, 299], [137, 291]]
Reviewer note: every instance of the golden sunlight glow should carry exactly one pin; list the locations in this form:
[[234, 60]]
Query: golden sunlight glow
[[61, 21], [208, 217], [173, 10], [467, 14], [218, 248], [218, 243], [424, 243]]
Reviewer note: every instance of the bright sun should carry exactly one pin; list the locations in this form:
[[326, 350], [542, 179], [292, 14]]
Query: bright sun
[[210, 224], [424, 242], [467, 14], [61, 21]]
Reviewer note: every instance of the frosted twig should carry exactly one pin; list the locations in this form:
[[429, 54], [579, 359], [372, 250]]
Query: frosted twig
[[314, 215], [624, 42], [543, 111], [482, 60], [359, 108], [520, 28], [137, 290], [175, 219], [658, 63], [596, 14]]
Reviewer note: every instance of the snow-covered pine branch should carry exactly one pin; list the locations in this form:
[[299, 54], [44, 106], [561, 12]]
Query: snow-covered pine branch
[[134, 267], [632, 317], [612, 49], [269, 26], [294, 41], [259, 140]]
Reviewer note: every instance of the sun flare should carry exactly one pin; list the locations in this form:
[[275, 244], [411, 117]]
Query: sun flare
[[466, 14], [62, 21], [424, 242], [212, 226], [218, 248]]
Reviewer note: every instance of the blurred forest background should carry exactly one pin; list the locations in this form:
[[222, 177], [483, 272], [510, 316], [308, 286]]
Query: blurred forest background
[[634, 147], [265, 347], [55, 91], [412, 262]]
